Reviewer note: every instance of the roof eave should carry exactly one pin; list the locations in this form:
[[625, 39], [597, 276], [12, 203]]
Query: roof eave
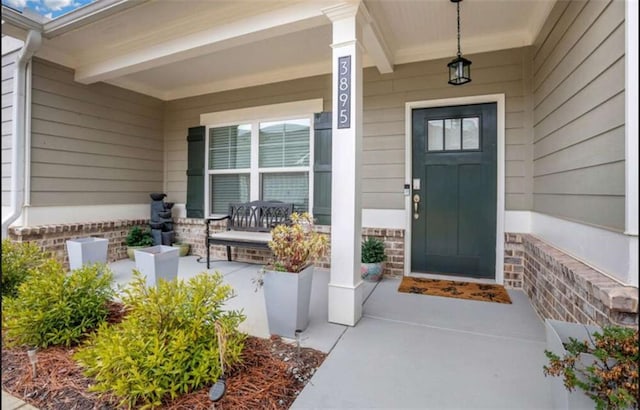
[[88, 14], [16, 25]]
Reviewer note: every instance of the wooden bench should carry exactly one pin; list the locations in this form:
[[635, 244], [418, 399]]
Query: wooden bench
[[249, 225]]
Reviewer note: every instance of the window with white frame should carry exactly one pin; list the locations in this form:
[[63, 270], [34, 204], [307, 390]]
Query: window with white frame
[[266, 160]]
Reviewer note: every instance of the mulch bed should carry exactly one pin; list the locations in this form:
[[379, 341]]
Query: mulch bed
[[270, 376]]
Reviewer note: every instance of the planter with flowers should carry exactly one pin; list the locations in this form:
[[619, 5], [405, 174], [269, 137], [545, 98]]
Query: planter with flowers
[[288, 278]]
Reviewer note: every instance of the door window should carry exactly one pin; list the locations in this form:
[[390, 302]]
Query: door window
[[453, 134]]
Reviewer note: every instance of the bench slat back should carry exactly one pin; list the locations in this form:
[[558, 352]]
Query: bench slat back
[[258, 216]]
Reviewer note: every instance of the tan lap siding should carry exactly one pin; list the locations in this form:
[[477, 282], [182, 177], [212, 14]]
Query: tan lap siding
[[8, 69], [579, 135], [92, 144], [385, 97]]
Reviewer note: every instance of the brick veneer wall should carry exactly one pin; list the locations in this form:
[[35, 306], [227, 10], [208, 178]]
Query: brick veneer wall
[[563, 288], [192, 231], [52, 238], [513, 260], [559, 286]]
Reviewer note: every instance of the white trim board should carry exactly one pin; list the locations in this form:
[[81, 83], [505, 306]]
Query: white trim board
[[10, 44], [6, 210], [631, 120], [612, 253], [51, 215], [294, 108], [499, 99], [517, 221], [383, 218], [514, 221]]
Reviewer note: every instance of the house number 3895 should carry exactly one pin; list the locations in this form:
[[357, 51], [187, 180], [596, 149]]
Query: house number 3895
[[344, 92]]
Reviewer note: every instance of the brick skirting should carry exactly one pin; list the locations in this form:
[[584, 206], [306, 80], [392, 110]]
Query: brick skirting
[[52, 238], [513, 260], [563, 288], [559, 286], [192, 231]]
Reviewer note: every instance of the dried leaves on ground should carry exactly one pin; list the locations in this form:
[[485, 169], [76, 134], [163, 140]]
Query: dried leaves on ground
[[270, 376]]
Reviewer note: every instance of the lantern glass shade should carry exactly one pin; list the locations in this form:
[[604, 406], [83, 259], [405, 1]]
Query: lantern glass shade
[[459, 71]]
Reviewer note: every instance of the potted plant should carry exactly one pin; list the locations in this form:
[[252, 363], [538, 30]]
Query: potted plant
[[288, 278], [602, 363], [372, 258], [183, 248], [137, 238]]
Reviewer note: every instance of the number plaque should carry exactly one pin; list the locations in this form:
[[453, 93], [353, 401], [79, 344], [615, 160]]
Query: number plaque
[[344, 92]]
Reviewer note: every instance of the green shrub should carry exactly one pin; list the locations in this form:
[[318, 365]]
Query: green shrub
[[139, 237], [56, 308], [611, 380], [167, 344], [373, 251], [18, 260]]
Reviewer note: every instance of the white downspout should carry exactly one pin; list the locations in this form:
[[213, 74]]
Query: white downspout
[[18, 138], [27, 140]]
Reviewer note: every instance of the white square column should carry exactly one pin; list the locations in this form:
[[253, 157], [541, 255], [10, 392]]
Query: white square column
[[345, 284]]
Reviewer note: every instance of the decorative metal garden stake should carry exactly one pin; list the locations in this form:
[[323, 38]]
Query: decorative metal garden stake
[[297, 333], [33, 359], [220, 386]]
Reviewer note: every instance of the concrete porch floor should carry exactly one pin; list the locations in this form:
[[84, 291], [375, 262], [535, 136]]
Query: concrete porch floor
[[407, 351]]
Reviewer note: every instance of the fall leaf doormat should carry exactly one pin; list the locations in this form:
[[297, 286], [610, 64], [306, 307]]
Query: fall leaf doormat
[[451, 289]]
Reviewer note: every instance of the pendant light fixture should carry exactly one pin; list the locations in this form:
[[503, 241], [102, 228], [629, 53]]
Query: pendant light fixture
[[459, 67]]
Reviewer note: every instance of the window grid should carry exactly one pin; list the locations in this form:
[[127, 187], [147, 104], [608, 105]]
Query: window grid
[[460, 134], [256, 172]]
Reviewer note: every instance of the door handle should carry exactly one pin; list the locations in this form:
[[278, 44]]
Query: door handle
[[416, 201]]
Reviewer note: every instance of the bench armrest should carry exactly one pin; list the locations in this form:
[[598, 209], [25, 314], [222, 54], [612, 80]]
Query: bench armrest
[[209, 220], [221, 218]]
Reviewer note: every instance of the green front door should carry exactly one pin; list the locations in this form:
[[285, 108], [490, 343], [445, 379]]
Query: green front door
[[454, 190]]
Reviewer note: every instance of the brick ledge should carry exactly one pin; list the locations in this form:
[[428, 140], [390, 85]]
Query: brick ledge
[[612, 294]]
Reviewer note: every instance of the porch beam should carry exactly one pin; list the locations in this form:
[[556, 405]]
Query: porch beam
[[345, 285], [375, 43], [290, 19]]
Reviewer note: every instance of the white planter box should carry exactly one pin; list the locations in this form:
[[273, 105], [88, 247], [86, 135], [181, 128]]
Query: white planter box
[[557, 333], [157, 262], [84, 251], [287, 297]]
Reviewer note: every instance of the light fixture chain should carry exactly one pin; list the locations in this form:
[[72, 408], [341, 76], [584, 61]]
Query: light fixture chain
[[459, 67], [458, 8]]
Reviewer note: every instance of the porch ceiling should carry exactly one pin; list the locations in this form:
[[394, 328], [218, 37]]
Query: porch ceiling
[[176, 49]]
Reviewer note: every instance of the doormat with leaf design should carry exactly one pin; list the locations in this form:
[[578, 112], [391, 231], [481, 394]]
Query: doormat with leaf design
[[451, 289]]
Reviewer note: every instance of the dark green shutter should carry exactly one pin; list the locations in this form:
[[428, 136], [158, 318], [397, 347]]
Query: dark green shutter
[[195, 172], [322, 168]]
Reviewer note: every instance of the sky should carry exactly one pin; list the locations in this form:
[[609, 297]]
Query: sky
[[48, 8]]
